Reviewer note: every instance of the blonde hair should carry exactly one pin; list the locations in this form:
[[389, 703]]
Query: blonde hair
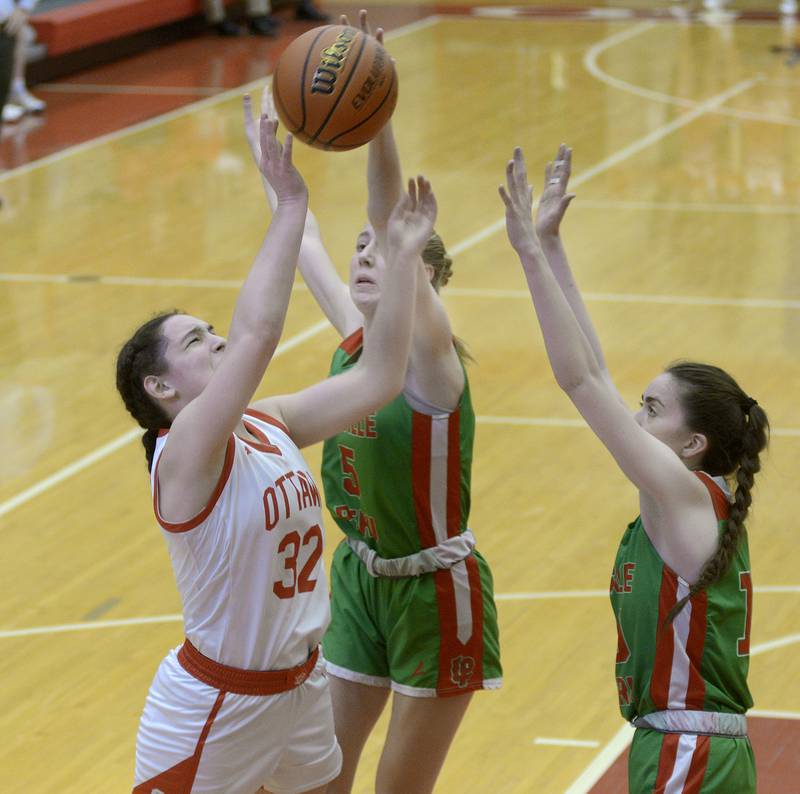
[[435, 255]]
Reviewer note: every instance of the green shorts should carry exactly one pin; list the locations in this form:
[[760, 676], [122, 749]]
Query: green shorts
[[683, 762], [432, 635]]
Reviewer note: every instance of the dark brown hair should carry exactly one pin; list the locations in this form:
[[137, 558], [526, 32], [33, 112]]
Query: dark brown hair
[[140, 356], [737, 430]]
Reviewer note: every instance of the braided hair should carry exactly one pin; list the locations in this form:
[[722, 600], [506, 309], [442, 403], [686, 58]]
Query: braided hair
[[737, 430], [142, 355]]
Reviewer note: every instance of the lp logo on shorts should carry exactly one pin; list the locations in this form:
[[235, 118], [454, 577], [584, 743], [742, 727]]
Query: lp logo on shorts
[[461, 670]]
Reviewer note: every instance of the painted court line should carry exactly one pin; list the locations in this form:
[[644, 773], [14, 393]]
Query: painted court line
[[687, 206], [602, 761], [68, 471], [456, 292], [774, 715], [154, 90], [605, 164], [201, 104], [545, 595], [566, 742], [596, 50], [94, 625], [112, 446], [544, 421]]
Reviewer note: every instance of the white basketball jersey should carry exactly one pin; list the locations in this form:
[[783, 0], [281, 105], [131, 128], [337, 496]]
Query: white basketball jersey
[[249, 566]]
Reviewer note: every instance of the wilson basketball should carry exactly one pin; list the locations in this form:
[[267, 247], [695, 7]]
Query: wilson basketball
[[334, 87]]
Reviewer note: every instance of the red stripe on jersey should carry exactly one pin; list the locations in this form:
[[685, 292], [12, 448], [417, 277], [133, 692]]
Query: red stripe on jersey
[[185, 526], [722, 507], [421, 476], [666, 761], [454, 475], [665, 641], [353, 342], [695, 645], [270, 420], [698, 766], [179, 778]]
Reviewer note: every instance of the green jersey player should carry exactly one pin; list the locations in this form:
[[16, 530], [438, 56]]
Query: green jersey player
[[681, 587], [412, 607]]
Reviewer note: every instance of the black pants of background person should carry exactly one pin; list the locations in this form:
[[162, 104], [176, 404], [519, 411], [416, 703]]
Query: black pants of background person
[[6, 65], [6, 69]]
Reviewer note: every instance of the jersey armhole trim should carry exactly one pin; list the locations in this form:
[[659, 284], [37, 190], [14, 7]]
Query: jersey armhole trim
[[185, 526], [270, 420], [353, 342], [718, 499]]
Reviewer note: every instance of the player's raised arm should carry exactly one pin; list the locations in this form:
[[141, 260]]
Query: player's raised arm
[[334, 404], [316, 266], [206, 382]]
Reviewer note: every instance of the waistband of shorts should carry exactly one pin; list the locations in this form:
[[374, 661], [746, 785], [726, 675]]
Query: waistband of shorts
[[704, 723], [243, 682], [436, 558]]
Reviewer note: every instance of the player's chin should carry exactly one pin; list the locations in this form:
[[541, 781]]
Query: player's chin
[[365, 297]]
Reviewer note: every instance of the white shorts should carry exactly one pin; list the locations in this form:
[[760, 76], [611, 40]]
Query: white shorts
[[194, 737]]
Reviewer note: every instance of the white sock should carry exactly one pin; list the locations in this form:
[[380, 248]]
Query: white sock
[[17, 84]]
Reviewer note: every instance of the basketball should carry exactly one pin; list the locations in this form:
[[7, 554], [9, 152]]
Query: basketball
[[334, 87]]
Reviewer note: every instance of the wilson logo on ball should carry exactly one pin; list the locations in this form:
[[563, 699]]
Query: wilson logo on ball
[[331, 63], [335, 87]]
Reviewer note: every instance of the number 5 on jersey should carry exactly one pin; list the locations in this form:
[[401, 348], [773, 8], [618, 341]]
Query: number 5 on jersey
[[349, 473]]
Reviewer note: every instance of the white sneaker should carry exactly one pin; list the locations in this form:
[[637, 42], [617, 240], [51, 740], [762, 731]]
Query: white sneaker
[[26, 100], [12, 113]]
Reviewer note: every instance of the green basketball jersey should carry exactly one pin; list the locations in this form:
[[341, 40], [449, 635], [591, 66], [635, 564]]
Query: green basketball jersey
[[399, 480], [700, 660]]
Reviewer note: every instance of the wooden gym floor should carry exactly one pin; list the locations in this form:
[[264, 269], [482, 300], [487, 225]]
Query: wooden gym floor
[[684, 236]]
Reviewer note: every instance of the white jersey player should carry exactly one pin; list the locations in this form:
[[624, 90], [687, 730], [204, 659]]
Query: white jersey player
[[244, 704]]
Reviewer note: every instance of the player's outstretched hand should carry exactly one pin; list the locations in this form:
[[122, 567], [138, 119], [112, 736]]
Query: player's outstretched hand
[[555, 199], [517, 195], [365, 26], [411, 222], [276, 164]]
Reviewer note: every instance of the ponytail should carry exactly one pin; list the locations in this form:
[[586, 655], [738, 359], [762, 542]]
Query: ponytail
[[142, 355], [737, 430]]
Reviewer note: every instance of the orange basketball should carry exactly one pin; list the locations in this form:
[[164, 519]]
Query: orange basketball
[[334, 87]]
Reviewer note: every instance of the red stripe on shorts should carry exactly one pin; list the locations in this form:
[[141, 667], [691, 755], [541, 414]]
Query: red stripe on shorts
[[179, 779], [697, 769], [666, 761]]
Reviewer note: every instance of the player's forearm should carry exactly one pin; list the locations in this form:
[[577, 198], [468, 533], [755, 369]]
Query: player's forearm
[[384, 177], [553, 248], [571, 357], [264, 297], [387, 346]]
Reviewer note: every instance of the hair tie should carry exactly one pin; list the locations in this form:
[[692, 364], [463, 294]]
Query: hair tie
[[749, 403]]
